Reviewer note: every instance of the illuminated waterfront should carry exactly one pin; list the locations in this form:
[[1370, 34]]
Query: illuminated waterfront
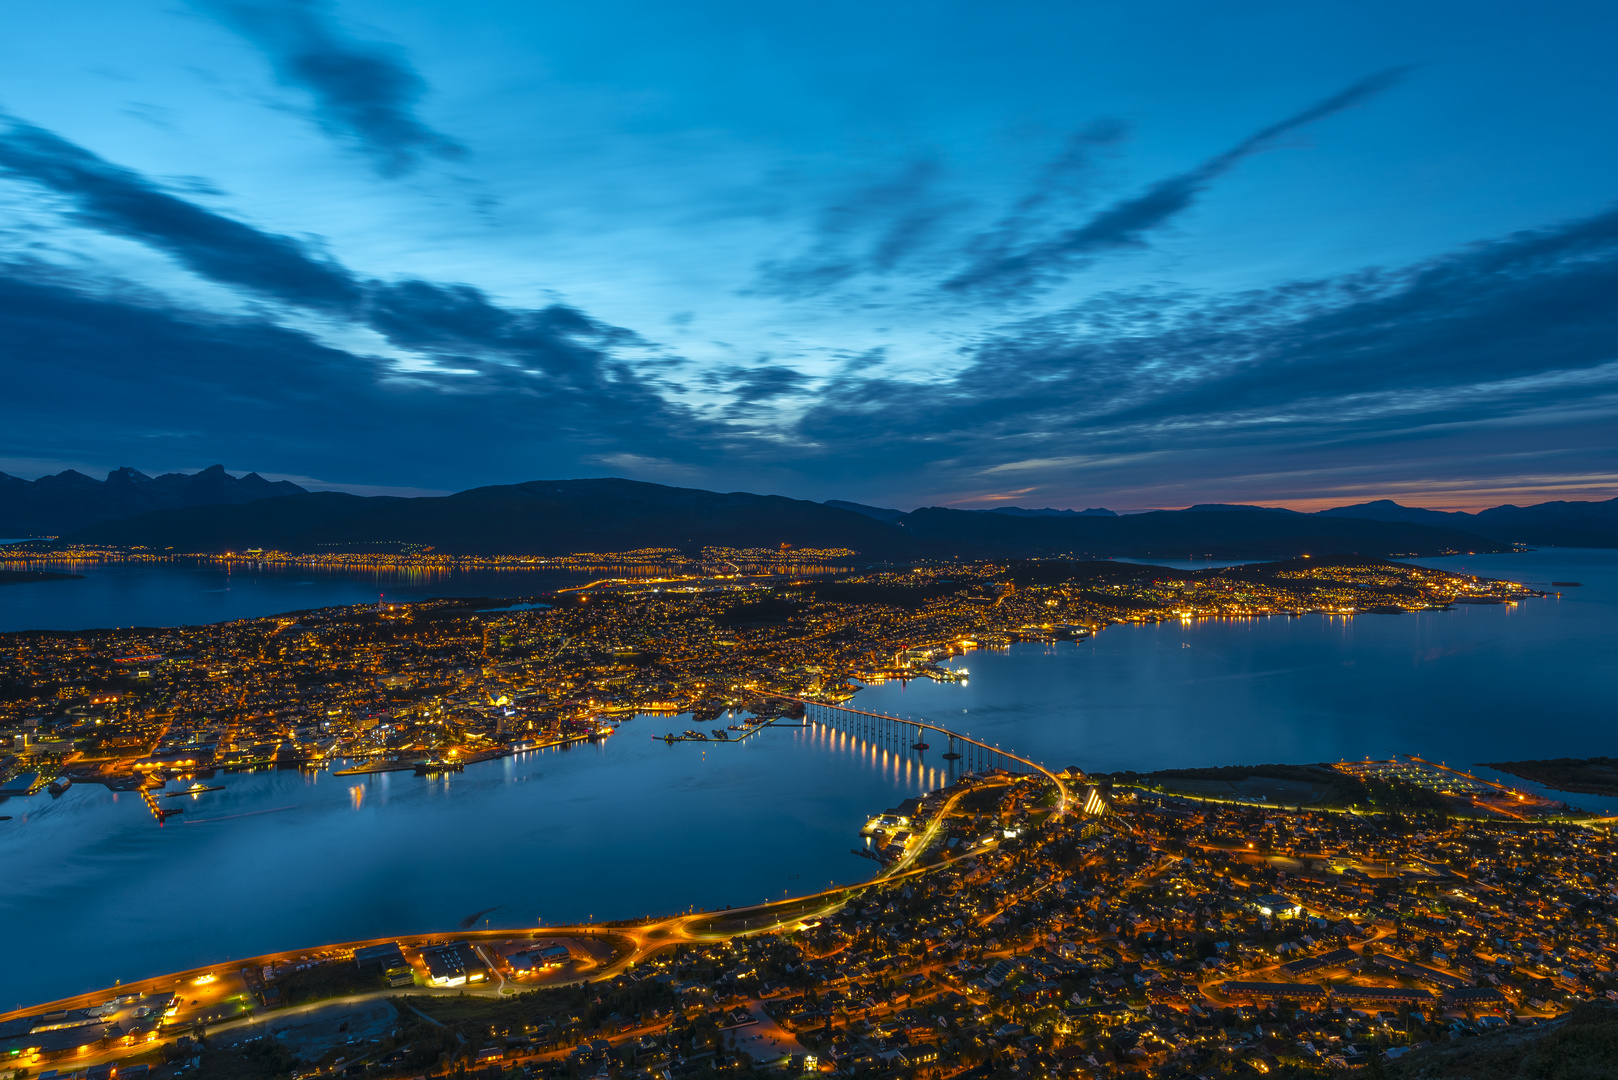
[[284, 859], [192, 590]]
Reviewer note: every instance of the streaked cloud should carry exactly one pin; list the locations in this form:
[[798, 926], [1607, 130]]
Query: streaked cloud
[[1005, 270], [119, 202], [871, 229], [364, 93]]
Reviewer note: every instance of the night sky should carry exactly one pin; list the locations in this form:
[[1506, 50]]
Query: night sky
[[1065, 254]]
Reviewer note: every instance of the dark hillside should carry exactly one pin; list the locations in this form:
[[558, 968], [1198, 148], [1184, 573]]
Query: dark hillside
[[537, 518], [559, 517], [1559, 524], [1580, 1046]]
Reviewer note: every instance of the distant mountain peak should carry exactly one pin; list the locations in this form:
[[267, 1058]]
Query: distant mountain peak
[[69, 500], [1560, 524], [1207, 508], [67, 477], [1047, 511], [1388, 510], [880, 513]]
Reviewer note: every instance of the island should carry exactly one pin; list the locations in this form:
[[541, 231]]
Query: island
[[1587, 776]]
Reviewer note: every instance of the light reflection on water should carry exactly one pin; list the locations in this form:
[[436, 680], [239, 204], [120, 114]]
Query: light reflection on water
[[634, 826], [1474, 684], [187, 591], [282, 859]]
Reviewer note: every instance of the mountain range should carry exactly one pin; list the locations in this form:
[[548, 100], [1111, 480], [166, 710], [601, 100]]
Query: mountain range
[[214, 511], [541, 517], [1553, 524], [882, 513], [69, 501]]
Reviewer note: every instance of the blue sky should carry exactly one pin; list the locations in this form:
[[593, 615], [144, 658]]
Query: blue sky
[[1036, 254]]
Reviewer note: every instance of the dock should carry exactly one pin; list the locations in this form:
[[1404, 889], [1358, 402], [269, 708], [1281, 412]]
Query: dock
[[740, 736], [470, 759], [192, 791], [158, 812]]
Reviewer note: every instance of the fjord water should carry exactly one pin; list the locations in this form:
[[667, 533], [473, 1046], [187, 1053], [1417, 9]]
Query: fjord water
[[185, 592], [286, 860], [1473, 684]]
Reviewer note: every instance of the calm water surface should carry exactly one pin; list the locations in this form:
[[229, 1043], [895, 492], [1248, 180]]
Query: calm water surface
[[283, 860], [185, 593], [1475, 684]]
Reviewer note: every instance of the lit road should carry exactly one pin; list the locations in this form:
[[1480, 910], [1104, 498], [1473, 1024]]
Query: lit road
[[206, 991], [631, 944]]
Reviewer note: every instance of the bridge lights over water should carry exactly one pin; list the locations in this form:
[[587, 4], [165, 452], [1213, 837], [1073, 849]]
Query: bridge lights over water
[[892, 731]]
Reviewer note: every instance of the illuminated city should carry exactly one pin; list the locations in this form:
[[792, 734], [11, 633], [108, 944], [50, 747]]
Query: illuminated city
[[1072, 923], [873, 541]]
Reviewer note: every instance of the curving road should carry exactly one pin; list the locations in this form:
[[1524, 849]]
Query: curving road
[[631, 943]]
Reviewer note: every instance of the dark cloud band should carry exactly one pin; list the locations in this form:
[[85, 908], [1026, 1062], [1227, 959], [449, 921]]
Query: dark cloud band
[[1496, 355]]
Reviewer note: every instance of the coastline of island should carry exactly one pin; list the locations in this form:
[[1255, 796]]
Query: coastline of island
[[1583, 776]]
